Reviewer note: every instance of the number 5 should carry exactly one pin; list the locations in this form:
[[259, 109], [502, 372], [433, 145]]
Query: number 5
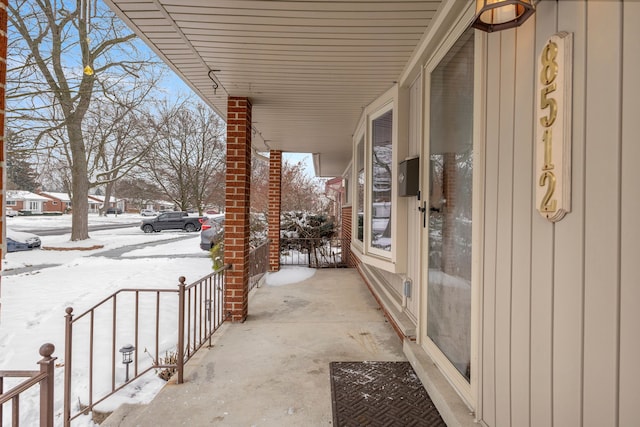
[[548, 102]]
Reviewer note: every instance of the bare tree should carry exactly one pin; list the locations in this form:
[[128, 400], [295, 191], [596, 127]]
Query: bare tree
[[300, 192], [117, 138], [60, 60], [189, 154]]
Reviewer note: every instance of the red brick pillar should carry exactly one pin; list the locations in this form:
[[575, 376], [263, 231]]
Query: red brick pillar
[[346, 236], [275, 185], [236, 227], [3, 81]]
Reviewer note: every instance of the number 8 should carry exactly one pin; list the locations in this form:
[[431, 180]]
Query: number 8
[[550, 66]]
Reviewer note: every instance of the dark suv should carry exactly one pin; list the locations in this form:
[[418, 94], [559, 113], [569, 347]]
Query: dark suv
[[172, 221]]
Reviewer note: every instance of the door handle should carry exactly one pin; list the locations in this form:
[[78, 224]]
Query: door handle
[[423, 209]]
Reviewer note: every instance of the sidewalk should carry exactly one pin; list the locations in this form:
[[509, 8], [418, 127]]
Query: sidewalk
[[273, 370]]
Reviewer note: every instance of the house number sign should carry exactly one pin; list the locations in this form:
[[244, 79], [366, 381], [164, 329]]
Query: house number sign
[[553, 127]]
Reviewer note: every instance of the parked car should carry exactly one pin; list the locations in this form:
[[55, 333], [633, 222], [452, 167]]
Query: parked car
[[10, 212], [212, 232], [116, 211], [148, 212], [21, 241], [172, 221]]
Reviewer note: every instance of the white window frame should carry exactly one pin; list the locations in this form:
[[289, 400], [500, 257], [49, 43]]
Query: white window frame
[[394, 260], [347, 176], [359, 135]]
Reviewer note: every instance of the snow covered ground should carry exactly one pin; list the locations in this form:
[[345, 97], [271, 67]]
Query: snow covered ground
[[34, 302]]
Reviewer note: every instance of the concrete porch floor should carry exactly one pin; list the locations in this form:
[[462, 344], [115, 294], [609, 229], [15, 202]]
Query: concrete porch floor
[[273, 369]]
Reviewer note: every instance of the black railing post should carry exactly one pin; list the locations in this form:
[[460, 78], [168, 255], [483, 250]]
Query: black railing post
[[68, 336], [47, 365], [180, 357]]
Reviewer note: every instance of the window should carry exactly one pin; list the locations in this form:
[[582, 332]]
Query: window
[[34, 206], [360, 190], [381, 173], [346, 190], [11, 203]]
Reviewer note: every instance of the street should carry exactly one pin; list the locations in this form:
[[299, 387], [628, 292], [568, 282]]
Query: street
[[118, 238]]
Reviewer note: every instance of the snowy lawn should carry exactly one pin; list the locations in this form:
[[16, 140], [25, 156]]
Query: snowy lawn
[[33, 304]]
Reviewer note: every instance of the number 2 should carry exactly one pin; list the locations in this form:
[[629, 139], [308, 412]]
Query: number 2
[[549, 179]]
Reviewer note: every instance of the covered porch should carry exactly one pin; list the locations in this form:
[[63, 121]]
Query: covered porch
[[273, 369]]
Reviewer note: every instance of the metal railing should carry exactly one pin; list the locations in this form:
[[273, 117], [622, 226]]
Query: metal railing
[[183, 319], [313, 252], [258, 263], [44, 377]]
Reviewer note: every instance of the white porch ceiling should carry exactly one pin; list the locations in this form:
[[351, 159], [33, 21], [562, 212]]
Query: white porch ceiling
[[309, 67]]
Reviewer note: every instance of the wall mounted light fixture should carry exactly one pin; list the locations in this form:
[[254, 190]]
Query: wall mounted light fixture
[[497, 15]]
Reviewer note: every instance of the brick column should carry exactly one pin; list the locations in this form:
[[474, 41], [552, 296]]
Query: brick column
[[346, 236], [3, 81], [275, 186], [236, 227]]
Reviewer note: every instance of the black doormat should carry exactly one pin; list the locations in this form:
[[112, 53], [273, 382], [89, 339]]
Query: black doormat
[[380, 394]]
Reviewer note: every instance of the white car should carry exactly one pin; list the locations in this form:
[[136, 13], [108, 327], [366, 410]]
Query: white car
[[148, 212], [10, 212]]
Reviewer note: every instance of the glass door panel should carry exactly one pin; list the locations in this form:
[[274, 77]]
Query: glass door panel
[[450, 207]]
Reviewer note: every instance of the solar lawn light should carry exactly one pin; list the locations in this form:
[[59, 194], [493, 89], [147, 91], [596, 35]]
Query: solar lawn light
[[127, 358]]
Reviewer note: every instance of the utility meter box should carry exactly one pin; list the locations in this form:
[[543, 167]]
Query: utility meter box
[[409, 177]]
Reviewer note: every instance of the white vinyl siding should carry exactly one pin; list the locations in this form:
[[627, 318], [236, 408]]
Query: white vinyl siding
[[560, 301]]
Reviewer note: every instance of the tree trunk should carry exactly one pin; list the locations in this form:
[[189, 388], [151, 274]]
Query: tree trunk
[[79, 185]]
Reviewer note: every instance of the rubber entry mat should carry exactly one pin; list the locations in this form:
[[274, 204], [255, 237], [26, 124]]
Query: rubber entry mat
[[380, 394]]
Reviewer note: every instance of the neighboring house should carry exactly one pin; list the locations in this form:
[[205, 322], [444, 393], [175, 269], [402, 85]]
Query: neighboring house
[[161, 206], [112, 203], [25, 201], [154, 205], [335, 191], [59, 202], [94, 205]]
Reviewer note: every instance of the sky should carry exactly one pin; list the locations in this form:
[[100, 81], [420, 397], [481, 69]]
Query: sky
[[33, 303]]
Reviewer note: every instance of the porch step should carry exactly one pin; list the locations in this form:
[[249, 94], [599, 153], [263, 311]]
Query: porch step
[[127, 411]]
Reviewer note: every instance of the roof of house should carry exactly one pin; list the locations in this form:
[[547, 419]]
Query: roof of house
[[25, 195], [60, 196], [101, 198]]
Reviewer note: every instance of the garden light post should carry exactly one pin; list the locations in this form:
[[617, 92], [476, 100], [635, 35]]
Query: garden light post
[[127, 352]]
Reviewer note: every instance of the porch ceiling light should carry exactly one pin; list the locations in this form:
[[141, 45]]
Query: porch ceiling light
[[498, 15]]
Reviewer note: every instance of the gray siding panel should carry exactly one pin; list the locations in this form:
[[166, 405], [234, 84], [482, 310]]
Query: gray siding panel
[[542, 271], [569, 244], [522, 217], [504, 231], [490, 233], [630, 208], [602, 204]]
